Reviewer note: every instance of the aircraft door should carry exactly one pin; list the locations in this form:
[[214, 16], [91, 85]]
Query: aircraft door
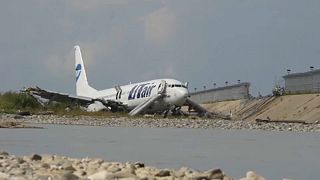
[[119, 92], [162, 87]]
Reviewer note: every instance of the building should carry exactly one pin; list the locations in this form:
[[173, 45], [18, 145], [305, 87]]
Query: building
[[306, 82], [232, 92]]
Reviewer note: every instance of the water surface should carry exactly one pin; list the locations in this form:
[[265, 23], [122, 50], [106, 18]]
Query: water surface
[[273, 154]]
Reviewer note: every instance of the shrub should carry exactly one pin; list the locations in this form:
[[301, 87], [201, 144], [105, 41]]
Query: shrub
[[12, 101]]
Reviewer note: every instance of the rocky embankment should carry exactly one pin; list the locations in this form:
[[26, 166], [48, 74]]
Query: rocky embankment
[[45, 167], [13, 124], [158, 122]]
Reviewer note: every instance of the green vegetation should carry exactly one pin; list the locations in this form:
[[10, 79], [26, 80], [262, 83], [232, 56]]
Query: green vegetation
[[12, 102], [65, 109]]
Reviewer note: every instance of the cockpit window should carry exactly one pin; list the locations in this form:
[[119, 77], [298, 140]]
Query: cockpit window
[[177, 85]]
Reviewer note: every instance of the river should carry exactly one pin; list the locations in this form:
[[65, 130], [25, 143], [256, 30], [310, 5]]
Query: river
[[275, 155]]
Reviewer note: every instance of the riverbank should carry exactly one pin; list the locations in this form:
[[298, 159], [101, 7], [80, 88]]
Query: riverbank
[[61, 167], [14, 125], [302, 107], [158, 122]]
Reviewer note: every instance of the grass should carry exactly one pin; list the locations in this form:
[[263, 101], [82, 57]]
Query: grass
[[13, 102]]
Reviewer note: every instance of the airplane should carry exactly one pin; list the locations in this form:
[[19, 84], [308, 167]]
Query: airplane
[[154, 96]]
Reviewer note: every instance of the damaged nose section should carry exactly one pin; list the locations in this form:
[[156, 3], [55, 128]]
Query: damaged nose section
[[181, 95]]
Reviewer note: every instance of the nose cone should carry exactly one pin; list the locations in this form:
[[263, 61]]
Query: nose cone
[[181, 96]]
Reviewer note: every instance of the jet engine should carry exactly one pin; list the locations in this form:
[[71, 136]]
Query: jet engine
[[96, 106]]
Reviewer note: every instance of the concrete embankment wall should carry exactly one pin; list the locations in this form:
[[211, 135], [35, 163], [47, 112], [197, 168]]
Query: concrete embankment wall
[[233, 92], [304, 107], [307, 82]]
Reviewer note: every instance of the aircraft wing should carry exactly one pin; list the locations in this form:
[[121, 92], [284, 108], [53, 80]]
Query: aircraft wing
[[203, 112], [197, 107], [55, 96], [66, 98]]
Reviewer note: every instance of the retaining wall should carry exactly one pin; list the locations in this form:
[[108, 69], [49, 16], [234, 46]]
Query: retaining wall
[[232, 92], [307, 82]]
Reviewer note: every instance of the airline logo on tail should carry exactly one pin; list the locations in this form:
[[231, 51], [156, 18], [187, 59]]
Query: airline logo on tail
[[78, 71]]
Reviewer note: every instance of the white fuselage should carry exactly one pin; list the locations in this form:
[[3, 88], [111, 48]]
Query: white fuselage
[[173, 92], [134, 94]]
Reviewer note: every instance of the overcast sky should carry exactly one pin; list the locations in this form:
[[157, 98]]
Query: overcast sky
[[122, 41]]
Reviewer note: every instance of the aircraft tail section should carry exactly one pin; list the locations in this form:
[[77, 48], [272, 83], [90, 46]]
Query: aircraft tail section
[[82, 86]]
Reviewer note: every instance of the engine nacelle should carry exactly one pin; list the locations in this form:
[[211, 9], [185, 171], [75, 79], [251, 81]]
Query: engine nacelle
[[96, 106]]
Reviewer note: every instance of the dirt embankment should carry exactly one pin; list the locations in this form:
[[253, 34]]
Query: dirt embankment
[[304, 107]]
